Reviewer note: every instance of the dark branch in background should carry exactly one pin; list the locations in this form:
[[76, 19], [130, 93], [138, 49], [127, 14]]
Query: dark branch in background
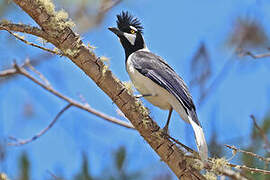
[[104, 8], [220, 77], [263, 135], [53, 175], [217, 81], [20, 70], [246, 32], [42, 132], [200, 69]]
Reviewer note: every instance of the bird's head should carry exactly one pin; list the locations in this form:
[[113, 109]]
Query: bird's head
[[129, 31]]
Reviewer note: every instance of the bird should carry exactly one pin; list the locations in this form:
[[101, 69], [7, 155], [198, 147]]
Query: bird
[[155, 79]]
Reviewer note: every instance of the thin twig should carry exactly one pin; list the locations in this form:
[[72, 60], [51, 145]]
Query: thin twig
[[83, 100], [255, 56], [35, 61], [224, 169], [30, 43], [232, 174], [42, 132], [263, 135], [248, 153], [253, 170], [43, 78], [87, 108], [53, 175]]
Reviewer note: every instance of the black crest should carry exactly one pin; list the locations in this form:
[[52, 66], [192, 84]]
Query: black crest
[[125, 19]]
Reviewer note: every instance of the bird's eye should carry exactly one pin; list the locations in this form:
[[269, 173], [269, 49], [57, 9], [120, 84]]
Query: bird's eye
[[132, 31]]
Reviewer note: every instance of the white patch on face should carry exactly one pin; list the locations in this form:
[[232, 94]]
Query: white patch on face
[[131, 27], [130, 37]]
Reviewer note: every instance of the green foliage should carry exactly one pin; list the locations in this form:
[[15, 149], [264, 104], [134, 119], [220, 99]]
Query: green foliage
[[215, 148], [120, 162], [117, 172], [257, 146], [2, 152], [265, 128], [24, 167], [84, 173], [120, 157]]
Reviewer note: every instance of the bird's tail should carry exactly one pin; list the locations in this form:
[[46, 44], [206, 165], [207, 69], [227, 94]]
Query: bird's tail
[[200, 139]]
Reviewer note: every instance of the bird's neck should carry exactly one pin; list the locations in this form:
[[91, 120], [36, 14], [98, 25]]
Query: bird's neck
[[129, 53], [137, 46]]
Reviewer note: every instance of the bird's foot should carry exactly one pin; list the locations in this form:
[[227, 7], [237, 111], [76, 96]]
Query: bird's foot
[[143, 95], [165, 130]]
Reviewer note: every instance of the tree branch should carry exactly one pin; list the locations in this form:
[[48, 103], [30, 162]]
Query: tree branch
[[263, 135], [248, 153], [43, 78], [8, 72], [20, 70], [232, 174], [252, 170], [255, 56], [42, 132], [35, 61]]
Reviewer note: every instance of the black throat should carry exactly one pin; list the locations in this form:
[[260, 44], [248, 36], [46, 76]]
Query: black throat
[[129, 48]]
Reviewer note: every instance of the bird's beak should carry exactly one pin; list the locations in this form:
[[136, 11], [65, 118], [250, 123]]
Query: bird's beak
[[116, 31]]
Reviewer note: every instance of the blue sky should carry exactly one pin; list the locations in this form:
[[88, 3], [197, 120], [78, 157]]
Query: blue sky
[[172, 30]]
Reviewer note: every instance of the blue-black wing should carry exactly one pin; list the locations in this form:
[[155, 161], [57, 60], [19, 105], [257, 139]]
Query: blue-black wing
[[155, 68]]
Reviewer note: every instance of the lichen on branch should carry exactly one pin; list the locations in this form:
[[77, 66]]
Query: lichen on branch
[[59, 19]]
